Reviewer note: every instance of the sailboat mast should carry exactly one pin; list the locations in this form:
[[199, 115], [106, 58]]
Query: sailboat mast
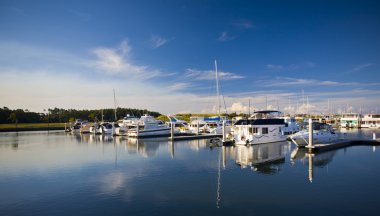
[[217, 87], [114, 102]]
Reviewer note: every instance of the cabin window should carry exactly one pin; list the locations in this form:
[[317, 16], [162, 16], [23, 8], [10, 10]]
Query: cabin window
[[253, 130], [264, 130]]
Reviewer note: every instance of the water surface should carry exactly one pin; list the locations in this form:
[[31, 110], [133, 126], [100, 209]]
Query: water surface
[[61, 174]]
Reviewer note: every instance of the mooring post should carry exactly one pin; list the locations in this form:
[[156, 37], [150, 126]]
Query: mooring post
[[310, 133], [224, 131], [198, 128], [374, 136], [65, 127], [137, 129], [171, 130]]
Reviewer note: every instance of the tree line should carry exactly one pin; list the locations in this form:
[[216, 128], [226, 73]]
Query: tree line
[[68, 115]]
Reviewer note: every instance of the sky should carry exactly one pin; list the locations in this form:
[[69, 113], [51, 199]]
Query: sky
[[295, 56]]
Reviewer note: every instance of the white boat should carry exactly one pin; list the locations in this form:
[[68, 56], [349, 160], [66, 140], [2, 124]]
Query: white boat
[[106, 128], [148, 126], [322, 133], [291, 124], [371, 121], [122, 126], [211, 125], [350, 120], [95, 128], [258, 131], [78, 125], [180, 126]]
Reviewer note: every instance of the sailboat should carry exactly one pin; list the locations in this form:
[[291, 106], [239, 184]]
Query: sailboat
[[214, 124]]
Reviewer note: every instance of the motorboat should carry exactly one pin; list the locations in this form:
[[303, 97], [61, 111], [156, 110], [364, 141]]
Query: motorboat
[[371, 121], [210, 125], [148, 126], [122, 126], [258, 131], [350, 120], [106, 128], [322, 133]]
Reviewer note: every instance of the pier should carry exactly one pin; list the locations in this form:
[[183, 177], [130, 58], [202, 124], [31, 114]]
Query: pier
[[342, 144], [194, 137]]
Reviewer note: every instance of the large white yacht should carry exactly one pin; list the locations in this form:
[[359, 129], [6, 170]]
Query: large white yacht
[[371, 121], [350, 120], [148, 126], [291, 124], [322, 133], [127, 123], [258, 130]]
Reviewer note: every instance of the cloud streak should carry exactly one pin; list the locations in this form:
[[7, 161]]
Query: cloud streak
[[292, 67], [117, 61], [157, 41], [210, 75], [225, 36], [288, 82]]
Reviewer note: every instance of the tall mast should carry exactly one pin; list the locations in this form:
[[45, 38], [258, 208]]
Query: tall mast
[[217, 87], [114, 102]]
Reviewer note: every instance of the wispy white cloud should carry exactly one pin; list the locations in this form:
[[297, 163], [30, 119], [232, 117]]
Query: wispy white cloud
[[225, 36], [291, 67], [275, 67], [243, 24], [288, 81], [210, 75], [81, 15], [117, 61], [361, 67], [179, 86], [157, 41]]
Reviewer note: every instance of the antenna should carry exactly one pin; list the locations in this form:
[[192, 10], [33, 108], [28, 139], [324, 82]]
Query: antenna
[[266, 103], [249, 107], [114, 101], [217, 87]]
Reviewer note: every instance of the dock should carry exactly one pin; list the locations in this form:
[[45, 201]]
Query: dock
[[342, 144], [195, 137]]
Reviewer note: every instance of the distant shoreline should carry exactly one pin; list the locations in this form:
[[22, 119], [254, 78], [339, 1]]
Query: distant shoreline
[[31, 127]]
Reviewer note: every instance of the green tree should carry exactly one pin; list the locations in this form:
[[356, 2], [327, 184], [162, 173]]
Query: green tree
[[13, 118]]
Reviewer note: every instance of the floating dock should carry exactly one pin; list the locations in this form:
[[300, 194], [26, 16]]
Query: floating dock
[[342, 144], [195, 137]]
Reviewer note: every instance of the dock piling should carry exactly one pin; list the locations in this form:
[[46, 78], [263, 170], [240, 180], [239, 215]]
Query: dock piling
[[224, 131], [374, 136], [310, 133], [171, 131]]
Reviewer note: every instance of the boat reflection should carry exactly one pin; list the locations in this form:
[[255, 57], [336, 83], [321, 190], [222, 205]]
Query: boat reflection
[[312, 160], [264, 158]]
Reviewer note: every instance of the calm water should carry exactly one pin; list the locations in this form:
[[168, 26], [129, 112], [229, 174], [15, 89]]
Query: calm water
[[61, 174]]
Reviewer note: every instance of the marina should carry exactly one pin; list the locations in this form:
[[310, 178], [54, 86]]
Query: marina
[[121, 175]]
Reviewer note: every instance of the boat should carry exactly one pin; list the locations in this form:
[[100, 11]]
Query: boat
[[95, 128], [106, 128], [322, 133], [148, 126], [291, 124], [181, 127], [350, 120], [260, 128], [370, 121], [122, 126], [210, 125], [78, 125]]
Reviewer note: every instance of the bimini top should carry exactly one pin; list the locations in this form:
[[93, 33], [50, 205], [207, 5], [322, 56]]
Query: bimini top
[[267, 111], [260, 122]]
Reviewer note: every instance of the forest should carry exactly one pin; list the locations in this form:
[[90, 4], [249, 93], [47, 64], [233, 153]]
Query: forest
[[67, 115]]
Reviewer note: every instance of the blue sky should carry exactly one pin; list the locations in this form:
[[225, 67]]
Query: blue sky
[[160, 55]]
